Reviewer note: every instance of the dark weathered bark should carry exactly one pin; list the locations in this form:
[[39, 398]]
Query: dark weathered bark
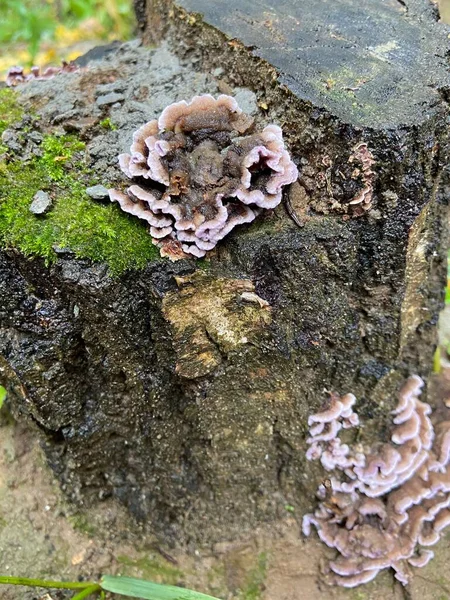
[[167, 389], [152, 19]]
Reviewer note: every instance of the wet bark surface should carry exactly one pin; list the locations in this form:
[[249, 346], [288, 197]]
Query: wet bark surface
[[183, 389]]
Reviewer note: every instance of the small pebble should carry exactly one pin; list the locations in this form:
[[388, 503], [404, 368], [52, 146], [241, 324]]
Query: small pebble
[[131, 45], [109, 88], [247, 101], [41, 203], [60, 250], [35, 137], [97, 192], [11, 140], [111, 98]]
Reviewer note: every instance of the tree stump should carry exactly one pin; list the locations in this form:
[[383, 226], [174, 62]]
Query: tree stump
[[183, 389]]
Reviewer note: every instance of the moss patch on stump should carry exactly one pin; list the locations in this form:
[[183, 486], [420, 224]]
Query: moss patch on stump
[[100, 232]]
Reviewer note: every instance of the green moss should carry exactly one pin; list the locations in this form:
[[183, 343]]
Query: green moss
[[203, 264], [10, 110], [91, 230], [81, 523], [256, 578], [151, 567], [108, 124], [57, 150], [360, 596], [216, 576]]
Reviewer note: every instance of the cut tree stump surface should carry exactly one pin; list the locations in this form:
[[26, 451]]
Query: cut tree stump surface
[[372, 64]]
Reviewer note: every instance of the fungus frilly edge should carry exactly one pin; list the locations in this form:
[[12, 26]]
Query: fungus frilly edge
[[199, 170], [392, 498]]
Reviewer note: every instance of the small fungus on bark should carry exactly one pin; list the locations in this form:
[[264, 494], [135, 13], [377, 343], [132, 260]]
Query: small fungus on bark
[[17, 75], [391, 499], [200, 170], [362, 202]]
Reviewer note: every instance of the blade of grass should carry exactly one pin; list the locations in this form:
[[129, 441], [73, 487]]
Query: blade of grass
[[3, 395], [61, 585], [146, 590], [87, 592]]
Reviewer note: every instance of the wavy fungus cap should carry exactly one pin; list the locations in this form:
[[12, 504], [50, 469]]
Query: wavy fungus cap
[[197, 175], [387, 502]]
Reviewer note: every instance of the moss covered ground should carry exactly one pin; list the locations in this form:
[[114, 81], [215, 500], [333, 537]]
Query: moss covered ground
[[100, 232]]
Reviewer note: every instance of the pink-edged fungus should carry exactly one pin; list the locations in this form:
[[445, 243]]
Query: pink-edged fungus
[[390, 499], [200, 170], [17, 75], [361, 155]]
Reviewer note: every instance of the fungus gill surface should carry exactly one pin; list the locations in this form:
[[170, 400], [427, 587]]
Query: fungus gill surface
[[392, 501], [200, 170]]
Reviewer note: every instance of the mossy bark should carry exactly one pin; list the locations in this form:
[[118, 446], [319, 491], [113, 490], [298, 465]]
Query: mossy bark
[[184, 389]]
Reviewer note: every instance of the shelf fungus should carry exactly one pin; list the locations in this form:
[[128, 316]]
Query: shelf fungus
[[200, 170], [17, 75], [362, 202], [391, 501]]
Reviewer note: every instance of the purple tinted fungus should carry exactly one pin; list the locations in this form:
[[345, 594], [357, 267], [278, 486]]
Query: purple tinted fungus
[[17, 75], [362, 202], [200, 170], [390, 499]]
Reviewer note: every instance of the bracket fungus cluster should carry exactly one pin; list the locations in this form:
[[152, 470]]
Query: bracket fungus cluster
[[362, 202], [17, 75], [391, 501], [200, 170]]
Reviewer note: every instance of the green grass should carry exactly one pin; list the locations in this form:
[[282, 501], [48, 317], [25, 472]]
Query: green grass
[[122, 586], [32, 22], [3, 395], [26, 21]]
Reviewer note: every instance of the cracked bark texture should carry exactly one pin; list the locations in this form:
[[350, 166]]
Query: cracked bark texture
[[184, 391]]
